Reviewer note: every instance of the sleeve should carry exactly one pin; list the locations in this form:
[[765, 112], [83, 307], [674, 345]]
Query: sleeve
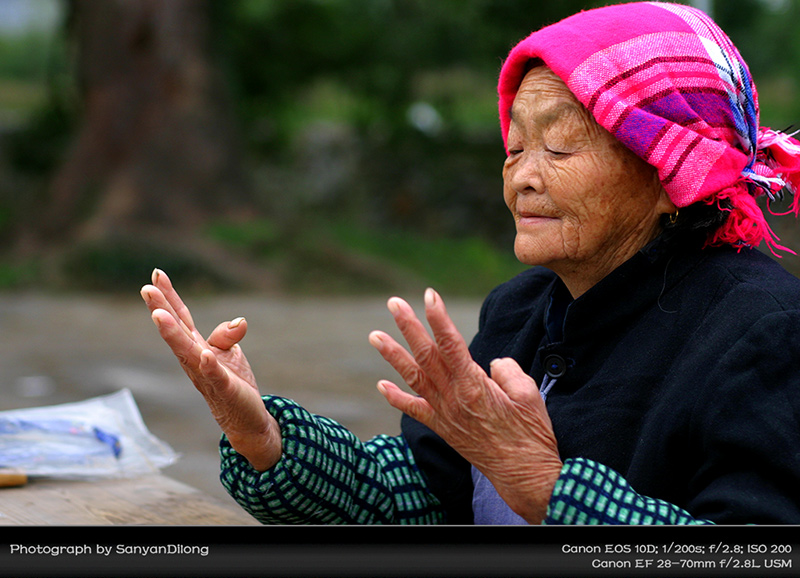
[[328, 476], [589, 493]]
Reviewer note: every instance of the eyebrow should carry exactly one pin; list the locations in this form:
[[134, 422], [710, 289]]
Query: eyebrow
[[552, 114]]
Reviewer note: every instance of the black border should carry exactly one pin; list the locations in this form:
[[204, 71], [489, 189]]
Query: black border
[[389, 551]]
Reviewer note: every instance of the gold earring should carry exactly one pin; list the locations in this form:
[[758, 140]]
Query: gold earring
[[673, 218]]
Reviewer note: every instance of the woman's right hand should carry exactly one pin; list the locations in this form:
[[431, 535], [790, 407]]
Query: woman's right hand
[[220, 371]]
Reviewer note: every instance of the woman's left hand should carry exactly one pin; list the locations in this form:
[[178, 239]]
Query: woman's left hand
[[499, 423]]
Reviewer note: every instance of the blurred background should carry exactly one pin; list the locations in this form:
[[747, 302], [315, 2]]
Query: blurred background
[[293, 161]]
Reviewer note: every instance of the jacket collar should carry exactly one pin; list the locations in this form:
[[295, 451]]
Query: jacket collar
[[626, 292]]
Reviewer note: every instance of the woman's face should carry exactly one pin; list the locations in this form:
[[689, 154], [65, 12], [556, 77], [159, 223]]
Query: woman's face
[[582, 202]]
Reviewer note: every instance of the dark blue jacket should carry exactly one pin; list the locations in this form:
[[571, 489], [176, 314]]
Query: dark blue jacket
[[680, 370]]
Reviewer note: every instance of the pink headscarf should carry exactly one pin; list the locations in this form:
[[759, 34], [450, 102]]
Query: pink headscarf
[[668, 83]]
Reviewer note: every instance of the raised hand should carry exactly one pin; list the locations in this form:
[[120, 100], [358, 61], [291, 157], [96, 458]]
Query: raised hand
[[498, 423], [219, 370]]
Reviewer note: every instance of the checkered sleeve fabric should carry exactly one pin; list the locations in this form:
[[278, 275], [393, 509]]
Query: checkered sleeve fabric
[[328, 476], [590, 493]]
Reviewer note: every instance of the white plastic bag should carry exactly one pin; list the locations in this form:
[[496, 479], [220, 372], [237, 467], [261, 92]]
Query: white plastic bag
[[102, 437]]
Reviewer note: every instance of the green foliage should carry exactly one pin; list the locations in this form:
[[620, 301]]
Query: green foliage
[[38, 148], [325, 91], [335, 255], [467, 266], [33, 69], [378, 53], [121, 264], [258, 237], [765, 32], [35, 123], [377, 57], [19, 274], [25, 57], [364, 63]]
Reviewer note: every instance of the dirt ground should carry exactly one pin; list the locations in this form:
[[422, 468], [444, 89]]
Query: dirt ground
[[58, 349]]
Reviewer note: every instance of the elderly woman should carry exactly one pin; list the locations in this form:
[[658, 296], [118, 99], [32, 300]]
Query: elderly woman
[[638, 373]]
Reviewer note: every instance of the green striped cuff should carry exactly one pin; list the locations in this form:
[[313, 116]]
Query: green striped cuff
[[590, 493], [328, 476]]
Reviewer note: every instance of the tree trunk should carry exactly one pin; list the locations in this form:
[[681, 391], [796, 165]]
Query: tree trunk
[[157, 147]]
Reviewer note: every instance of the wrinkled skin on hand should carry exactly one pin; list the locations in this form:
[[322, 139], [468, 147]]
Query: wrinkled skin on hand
[[498, 423], [219, 370]]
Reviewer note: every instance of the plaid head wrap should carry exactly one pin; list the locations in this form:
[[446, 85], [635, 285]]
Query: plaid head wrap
[[668, 83]]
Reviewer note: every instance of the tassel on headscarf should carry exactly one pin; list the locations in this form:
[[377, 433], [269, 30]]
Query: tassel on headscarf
[[778, 163], [746, 225], [775, 171]]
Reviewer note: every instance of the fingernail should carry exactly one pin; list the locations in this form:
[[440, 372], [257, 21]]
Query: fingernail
[[157, 321], [146, 295], [496, 360], [155, 274], [205, 362], [381, 388], [375, 340], [394, 305], [235, 323], [430, 297]]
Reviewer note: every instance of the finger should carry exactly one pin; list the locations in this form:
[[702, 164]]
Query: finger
[[228, 334], [183, 346], [518, 385], [155, 299], [422, 345], [215, 374], [163, 282], [451, 345], [403, 362], [411, 405]]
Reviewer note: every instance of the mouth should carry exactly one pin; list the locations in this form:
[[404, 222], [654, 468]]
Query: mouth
[[532, 218]]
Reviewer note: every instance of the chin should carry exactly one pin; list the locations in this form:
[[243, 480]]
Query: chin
[[532, 253]]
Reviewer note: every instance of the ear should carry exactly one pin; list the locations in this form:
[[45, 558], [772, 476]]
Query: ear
[[664, 205]]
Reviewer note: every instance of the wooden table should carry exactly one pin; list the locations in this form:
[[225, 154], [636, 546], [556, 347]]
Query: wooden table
[[147, 500]]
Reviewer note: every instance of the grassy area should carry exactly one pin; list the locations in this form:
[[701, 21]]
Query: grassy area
[[469, 266], [18, 99], [338, 256], [28, 62], [15, 275], [322, 257], [125, 265]]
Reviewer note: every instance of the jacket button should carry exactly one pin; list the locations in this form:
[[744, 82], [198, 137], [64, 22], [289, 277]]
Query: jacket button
[[555, 366]]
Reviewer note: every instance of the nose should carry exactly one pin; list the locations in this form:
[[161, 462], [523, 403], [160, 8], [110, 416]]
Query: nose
[[524, 175]]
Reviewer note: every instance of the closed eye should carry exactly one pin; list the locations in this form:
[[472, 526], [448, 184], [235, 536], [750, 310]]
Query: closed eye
[[558, 154]]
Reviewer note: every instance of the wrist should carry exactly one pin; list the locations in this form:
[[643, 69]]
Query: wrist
[[531, 499], [262, 450]]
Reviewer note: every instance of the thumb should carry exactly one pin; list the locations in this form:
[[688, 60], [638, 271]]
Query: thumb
[[228, 334], [518, 385]]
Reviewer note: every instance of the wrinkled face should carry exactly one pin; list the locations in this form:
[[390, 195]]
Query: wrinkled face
[[582, 202]]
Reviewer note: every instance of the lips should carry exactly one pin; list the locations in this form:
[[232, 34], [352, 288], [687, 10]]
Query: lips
[[531, 215], [527, 217]]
